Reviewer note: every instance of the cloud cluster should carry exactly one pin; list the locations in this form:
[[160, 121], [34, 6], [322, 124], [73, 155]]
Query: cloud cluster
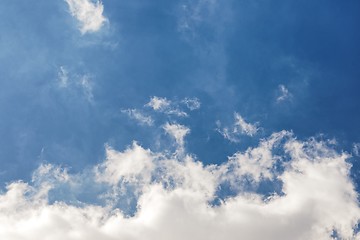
[[88, 13], [178, 197]]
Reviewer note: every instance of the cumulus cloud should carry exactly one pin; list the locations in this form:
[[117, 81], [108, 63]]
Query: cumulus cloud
[[132, 165], [88, 13], [139, 116], [239, 127], [174, 197]]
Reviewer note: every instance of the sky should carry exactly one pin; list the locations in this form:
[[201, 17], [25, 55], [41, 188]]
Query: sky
[[179, 119]]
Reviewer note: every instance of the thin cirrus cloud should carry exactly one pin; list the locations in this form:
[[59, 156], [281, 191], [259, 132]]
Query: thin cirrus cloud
[[174, 196], [76, 83], [88, 13]]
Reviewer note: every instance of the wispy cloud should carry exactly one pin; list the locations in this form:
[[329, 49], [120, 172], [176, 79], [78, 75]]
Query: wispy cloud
[[87, 87], [139, 116], [192, 14], [283, 94], [166, 106], [244, 127], [63, 77], [88, 13], [356, 149], [75, 82], [238, 128], [192, 103]]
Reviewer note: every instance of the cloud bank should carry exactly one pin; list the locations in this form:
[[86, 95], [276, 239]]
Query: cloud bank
[[88, 13], [178, 197]]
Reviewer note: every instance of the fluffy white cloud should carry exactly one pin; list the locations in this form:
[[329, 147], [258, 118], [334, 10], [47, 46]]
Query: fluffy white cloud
[[132, 165], [174, 197], [239, 127], [158, 103], [88, 13], [256, 163]]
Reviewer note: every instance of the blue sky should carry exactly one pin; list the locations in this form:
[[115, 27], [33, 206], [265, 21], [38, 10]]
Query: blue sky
[[204, 80]]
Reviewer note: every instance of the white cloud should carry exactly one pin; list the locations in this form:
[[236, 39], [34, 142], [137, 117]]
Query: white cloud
[[192, 103], [284, 94], [88, 13], [239, 127], [178, 132], [244, 127], [158, 103], [134, 164], [166, 106], [174, 196], [258, 162], [140, 117]]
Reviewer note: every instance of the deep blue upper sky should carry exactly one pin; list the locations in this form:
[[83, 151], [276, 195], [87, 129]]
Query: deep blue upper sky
[[233, 56]]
